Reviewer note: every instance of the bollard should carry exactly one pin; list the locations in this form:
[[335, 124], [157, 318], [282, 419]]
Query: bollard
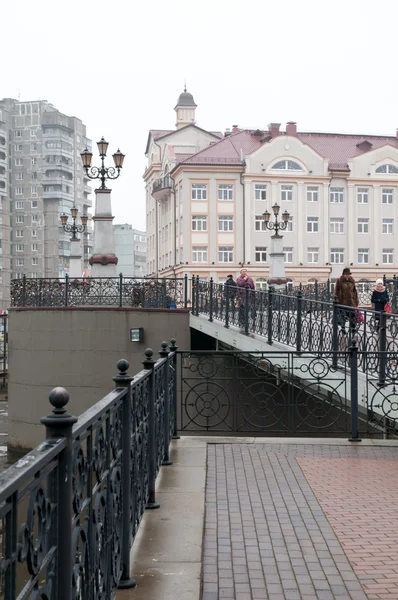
[[123, 380], [149, 364], [163, 353], [353, 350], [59, 424], [173, 348]]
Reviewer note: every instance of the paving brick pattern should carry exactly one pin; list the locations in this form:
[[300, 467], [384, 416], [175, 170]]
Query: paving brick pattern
[[266, 535], [360, 500]]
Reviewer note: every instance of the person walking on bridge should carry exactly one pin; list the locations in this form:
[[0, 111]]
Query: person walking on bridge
[[243, 282], [347, 295]]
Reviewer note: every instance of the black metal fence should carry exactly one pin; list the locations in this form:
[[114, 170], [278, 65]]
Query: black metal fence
[[101, 291], [71, 508], [285, 393], [299, 321]]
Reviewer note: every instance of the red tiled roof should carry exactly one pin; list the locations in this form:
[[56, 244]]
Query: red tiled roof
[[227, 150], [181, 157]]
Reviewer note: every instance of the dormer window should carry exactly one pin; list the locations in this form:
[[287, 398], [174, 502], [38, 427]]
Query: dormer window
[[387, 169], [286, 165], [365, 146]]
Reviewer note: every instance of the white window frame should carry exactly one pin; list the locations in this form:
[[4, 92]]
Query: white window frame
[[225, 192], [286, 165], [387, 226], [363, 195], [34, 247], [35, 218], [34, 232], [387, 169], [336, 225], [336, 256], [19, 219], [387, 256], [289, 225], [19, 205], [313, 256], [19, 233], [363, 256], [199, 222], [259, 223], [225, 254], [19, 191], [199, 191], [362, 225], [260, 191], [19, 247], [387, 195], [19, 162], [34, 203], [288, 255], [199, 254], [260, 254], [19, 176], [336, 195], [312, 224], [286, 193], [20, 262], [225, 223], [312, 193]]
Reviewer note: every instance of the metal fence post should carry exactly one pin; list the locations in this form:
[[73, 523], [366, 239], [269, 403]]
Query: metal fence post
[[328, 290], [59, 424], [149, 364], [246, 311], [270, 295], [185, 290], [120, 290], [24, 290], [163, 353], [228, 305], [383, 349], [193, 294], [173, 348], [394, 293], [353, 350], [335, 333], [299, 318], [316, 289], [123, 380], [211, 300], [197, 296], [66, 289]]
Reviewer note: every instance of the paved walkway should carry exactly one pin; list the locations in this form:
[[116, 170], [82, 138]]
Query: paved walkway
[[283, 520], [301, 522]]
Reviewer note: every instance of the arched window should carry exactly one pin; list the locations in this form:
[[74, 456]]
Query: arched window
[[261, 284], [387, 169], [286, 165]]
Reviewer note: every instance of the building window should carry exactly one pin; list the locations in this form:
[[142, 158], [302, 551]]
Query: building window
[[313, 255], [336, 195], [19, 247], [290, 224], [387, 169], [199, 254], [226, 254], [363, 256], [34, 247], [287, 193], [19, 233], [388, 256], [33, 161], [363, 195], [19, 204], [19, 162], [18, 133], [261, 254], [259, 223], [225, 191], [312, 224], [34, 232], [312, 193], [288, 255], [261, 284], [336, 225], [34, 203], [337, 256], [260, 191], [363, 225], [225, 223], [20, 262], [34, 175], [19, 191], [18, 147], [19, 176], [287, 165], [199, 191], [387, 195], [35, 219], [199, 223], [388, 225], [19, 219], [33, 147]]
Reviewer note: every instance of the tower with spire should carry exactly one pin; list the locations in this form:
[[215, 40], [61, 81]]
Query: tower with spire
[[185, 109]]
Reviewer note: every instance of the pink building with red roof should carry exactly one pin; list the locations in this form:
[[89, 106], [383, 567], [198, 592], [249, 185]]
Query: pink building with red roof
[[206, 193]]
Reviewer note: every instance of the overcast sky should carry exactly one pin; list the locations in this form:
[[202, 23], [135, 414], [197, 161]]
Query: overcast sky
[[120, 67]]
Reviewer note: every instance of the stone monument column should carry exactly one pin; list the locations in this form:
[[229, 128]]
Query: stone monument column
[[104, 260], [75, 260], [277, 278]]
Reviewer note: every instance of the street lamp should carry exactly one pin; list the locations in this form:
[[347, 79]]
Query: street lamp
[[73, 228], [103, 173], [276, 225]]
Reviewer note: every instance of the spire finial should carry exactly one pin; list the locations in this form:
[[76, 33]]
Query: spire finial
[[185, 84]]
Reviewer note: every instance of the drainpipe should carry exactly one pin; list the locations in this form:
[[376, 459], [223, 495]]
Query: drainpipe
[[157, 219], [243, 220]]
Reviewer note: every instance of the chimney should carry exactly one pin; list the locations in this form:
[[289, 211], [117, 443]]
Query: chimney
[[274, 129], [291, 128], [235, 129], [227, 132], [396, 133]]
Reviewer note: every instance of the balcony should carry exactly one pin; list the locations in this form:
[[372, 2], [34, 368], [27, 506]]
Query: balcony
[[162, 187]]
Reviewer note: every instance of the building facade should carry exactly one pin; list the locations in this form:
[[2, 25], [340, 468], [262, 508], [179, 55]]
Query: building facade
[[206, 197], [45, 179], [130, 248]]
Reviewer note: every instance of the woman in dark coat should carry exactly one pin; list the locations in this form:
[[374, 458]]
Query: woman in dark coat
[[379, 300], [347, 294]]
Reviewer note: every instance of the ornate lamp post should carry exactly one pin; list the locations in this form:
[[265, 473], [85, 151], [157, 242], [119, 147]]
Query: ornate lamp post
[[277, 276], [75, 260], [73, 228], [103, 173]]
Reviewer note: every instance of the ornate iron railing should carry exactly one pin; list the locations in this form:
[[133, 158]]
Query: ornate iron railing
[[71, 508], [296, 320], [162, 183], [102, 291]]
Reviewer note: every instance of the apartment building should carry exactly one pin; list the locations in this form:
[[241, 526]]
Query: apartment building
[[130, 248], [206, 194], [45, 179]]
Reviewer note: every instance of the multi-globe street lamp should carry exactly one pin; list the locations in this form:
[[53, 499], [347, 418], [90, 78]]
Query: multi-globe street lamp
[[276, 225], [103, 173], [277, 258], [74, 228]]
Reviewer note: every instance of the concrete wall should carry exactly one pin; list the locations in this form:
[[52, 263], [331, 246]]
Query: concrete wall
[[77, 349]]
